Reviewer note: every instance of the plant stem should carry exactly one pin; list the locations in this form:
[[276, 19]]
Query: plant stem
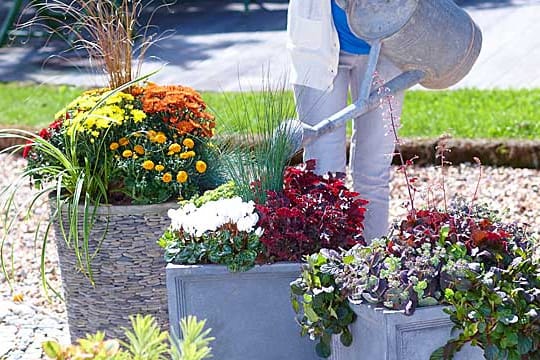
[[401, 159]]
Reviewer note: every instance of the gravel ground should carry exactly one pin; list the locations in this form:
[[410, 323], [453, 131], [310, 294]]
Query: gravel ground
[[25, 324]]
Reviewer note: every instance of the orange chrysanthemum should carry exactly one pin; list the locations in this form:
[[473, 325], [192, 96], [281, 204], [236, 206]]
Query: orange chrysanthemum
[[179, 106]]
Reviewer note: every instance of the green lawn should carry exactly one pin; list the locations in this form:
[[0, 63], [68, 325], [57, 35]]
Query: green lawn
[[462, 113]]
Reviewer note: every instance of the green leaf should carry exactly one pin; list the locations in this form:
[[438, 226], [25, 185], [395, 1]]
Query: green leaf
[[332, 312], [52, 349], [511, 338], [524, 344], [348, 260], [443, 234], [323, 349], [437, 354], [346, 337], [295, 305], [310, 313], [513, 355], [491, 352]]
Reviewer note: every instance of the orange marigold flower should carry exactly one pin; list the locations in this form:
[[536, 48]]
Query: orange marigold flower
[[182, 176], [175, 148], [148, 164], [123, 141], [127, 153], [190, 144], [200, 166], [167, 178], [159, 167], [114, 146], [139, 149], [161, 138], [187, 154]]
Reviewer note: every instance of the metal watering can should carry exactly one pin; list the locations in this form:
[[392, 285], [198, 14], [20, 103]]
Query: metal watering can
[[434, 42]]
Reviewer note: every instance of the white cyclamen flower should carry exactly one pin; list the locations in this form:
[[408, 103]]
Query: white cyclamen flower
[[214, 214]]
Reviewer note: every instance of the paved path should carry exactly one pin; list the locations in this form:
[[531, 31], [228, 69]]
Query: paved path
[[215, 46]]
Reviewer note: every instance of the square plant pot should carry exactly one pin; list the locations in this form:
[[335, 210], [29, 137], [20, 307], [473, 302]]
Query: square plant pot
[[390, 335], [249, 312]]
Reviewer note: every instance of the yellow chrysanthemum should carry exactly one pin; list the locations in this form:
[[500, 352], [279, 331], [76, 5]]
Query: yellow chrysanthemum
[[200, 166], [127, 153], [175, 148], [167, 178], [139, 149], [190, 144], [182, 176], [123, 141], [148, 164], [102, 123], [159, 167], [138, 115], [187, 154], [160, 138], [114, 146], [95, 133]]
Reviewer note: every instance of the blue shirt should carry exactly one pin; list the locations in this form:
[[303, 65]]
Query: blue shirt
[[347, 40]]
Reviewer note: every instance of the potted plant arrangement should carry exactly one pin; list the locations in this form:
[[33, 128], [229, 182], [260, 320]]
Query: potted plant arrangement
[[110, 162], [234, 251], [457, 268]]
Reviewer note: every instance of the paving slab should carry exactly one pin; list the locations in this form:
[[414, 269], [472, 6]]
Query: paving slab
[[215, 45]]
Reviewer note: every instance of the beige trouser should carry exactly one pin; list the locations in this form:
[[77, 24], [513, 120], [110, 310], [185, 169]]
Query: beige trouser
[[372, 143]]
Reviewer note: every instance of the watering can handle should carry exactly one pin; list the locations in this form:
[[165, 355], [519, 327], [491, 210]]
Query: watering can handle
[[399, 83]]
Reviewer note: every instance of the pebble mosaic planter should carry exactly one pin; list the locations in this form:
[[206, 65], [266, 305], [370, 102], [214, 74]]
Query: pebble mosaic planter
[[250, 312], [390, 335], [128, 270]]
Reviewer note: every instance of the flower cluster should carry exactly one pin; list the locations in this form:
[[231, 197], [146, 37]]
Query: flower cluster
[[311, 213], [213, 215], [152, 144], [180, 106], [464, 256], [218, 231]]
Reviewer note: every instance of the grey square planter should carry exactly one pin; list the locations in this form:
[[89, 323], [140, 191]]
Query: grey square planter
[[380, 334], [250, 313]]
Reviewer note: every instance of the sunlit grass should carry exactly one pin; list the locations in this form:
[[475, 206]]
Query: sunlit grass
[[467, 113]]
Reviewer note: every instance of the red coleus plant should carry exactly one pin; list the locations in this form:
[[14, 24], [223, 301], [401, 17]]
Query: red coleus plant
[[312, 212]]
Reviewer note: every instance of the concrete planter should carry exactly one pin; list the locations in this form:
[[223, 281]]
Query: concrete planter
[[250, 313], [390, 335], [128, 270]]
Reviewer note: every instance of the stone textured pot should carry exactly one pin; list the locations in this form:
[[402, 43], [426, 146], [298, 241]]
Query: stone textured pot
[[380, 334], [128, 270], [250, 313]]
